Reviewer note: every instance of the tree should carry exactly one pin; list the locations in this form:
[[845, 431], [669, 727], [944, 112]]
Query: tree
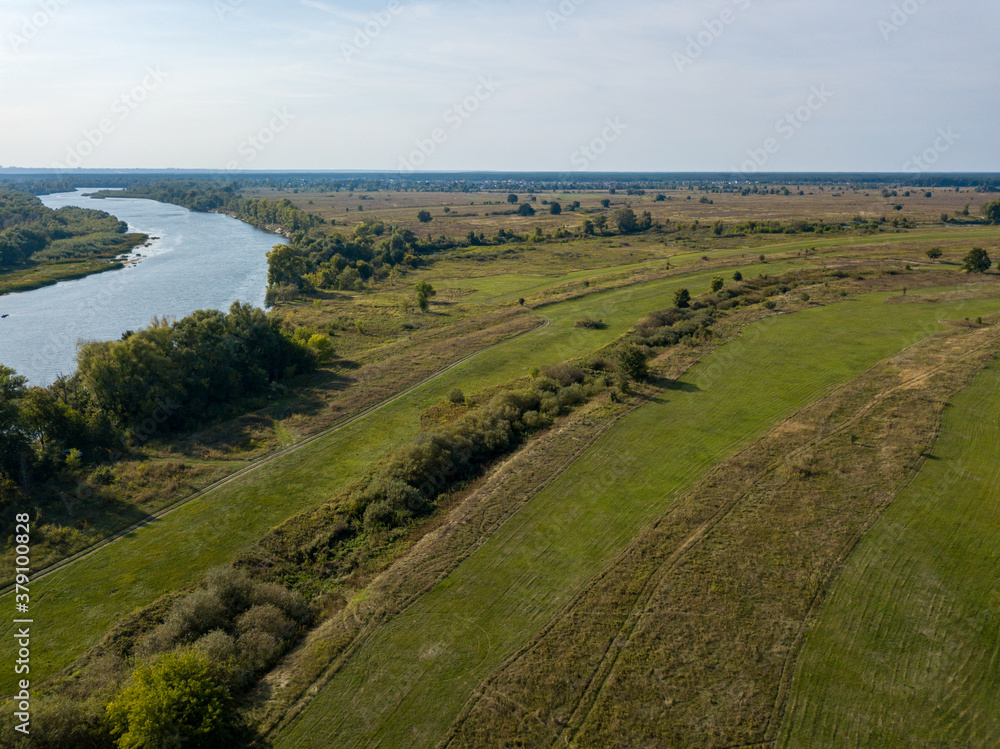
[[717, 283], [626, 220], [177, 701], [285, 265], [682, 299], [424, 217], [512, 198], [606, 203], [992, 212], [934, 253], [588, 227], [977, 261], [526, 209], [322, 348], [424, 294], [600, 222], [14, 445], [737, 276], [718, 227], [632, 363], [555, 209]]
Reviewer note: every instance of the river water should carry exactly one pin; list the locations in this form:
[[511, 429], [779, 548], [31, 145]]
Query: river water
[[200, 261]]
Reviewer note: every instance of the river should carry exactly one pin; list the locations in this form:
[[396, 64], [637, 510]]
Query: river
[[199, 261]]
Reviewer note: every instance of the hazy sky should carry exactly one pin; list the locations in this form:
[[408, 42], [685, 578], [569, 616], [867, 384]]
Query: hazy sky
[[673, 85]]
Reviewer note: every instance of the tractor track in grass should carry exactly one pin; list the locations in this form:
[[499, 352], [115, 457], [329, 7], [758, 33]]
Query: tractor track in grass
[[266, 460], [599, 680], [634, 610]]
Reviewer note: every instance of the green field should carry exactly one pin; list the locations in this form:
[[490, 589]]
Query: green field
[[175, 551], [436, 652], [906, 651]]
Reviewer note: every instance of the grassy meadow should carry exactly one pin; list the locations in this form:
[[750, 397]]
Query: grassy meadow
[[446, 643], [905, 651], [176, 550]]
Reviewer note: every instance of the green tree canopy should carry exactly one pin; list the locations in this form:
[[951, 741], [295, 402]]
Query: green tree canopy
[[632, 363], [285, 265], [992, 212], [977, 261], [424, 217], [424, 294], [176, 702], [13, 439], [626, 220], [682, 299], [555, 209], [526, 209]]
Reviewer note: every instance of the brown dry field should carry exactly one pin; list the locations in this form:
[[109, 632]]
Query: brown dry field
[[468, 211]]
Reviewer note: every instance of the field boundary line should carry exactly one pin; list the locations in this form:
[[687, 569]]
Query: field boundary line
[[267, 459]]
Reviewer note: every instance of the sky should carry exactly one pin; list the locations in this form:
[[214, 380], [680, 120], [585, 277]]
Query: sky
[[511, 85]]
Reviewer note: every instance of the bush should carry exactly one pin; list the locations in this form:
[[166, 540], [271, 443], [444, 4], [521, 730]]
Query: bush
[[632, 363], [196, 614], [456, 396], [266, 618], [770, 304], [257, 649], [217, 646], [590, 323], [232, 586], [565, 374], [934, 253]]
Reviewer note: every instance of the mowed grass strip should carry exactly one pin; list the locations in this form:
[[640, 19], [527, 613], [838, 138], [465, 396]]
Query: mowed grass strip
[[79, 603], [405, 686], [906, 652]]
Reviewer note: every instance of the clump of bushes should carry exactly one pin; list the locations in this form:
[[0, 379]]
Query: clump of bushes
[[240, 625], [179, 681], [410, 481], [590, 323]]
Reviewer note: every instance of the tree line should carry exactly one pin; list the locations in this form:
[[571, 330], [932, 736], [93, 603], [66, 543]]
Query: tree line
[[168, 377]]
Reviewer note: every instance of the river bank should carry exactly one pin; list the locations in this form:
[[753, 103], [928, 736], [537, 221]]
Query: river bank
[[52, 272]]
